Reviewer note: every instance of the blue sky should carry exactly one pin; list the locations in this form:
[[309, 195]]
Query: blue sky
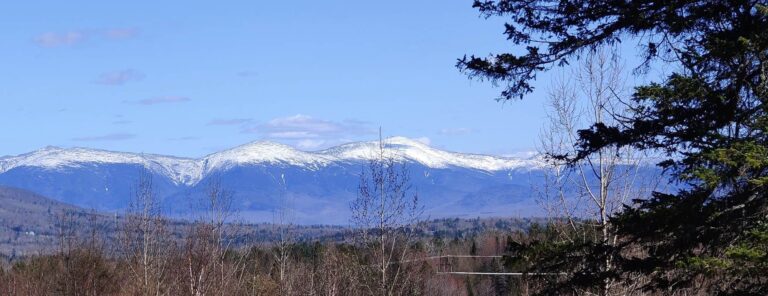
[[184, 78]]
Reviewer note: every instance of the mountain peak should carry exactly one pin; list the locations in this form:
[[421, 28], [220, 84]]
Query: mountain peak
[[262, 152]]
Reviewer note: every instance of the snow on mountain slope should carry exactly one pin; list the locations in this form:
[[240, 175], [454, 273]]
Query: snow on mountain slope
[[180, 170], [264, 152], [189, 171], [404, 149]]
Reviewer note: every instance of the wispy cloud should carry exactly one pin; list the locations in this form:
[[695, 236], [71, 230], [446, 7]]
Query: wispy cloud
[[161, 100], [56, 39], [73, 37], [120, 77], [229, 121], [456, 131], [310, 144], [107, 137], [307, 132]]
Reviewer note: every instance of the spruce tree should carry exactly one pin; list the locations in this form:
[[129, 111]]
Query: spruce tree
[[708, 120]]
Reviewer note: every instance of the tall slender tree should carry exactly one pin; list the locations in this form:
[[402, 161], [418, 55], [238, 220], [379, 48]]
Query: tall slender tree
[[384, 212], [145, 242], [282, 222], [580, 196]]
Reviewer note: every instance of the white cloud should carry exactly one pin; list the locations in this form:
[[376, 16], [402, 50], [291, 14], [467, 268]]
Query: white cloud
[[303, 123], [297, 126], [293, 135], [310, 144], [308, 132]]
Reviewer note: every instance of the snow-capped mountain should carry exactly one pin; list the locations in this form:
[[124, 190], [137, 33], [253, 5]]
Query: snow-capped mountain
[[264, 174], [181, 170], [405, 149], [189, 171], [264, 152]]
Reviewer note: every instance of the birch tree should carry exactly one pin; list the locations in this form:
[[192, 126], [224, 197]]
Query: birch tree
[[384, 212], [283, 227], [582, 196], [208, 272], [145, 240]]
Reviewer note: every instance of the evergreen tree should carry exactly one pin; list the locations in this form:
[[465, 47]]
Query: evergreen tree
[[709, 119]]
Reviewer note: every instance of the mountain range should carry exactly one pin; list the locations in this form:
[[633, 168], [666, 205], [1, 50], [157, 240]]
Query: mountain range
[[315, 187]]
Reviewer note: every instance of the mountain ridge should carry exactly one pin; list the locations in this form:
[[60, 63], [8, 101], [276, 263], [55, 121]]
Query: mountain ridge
[[190, 171]]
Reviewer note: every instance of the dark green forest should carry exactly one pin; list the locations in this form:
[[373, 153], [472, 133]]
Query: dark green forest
[[707, 119]]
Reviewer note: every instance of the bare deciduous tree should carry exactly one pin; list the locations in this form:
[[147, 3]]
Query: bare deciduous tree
[[384, 212], [208, 270], [283, 228], [337, 273], [145, 240], [582, 196]]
